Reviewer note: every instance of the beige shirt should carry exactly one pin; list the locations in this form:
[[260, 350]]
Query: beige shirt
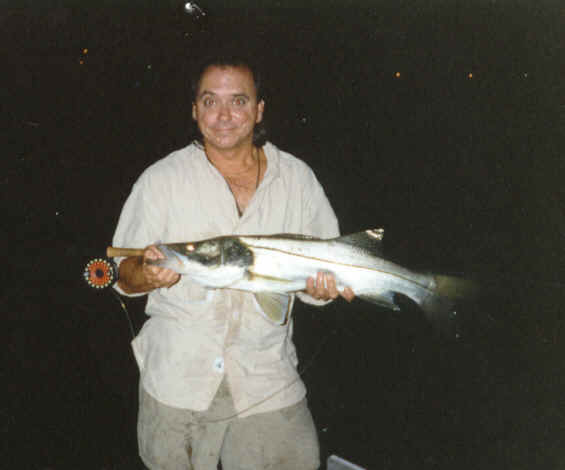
[[194, 335]]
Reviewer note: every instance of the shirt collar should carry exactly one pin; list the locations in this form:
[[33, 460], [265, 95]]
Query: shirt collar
[[271, 153]]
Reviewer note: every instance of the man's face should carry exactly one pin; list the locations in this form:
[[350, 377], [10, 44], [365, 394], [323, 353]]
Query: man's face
[[226, 107]]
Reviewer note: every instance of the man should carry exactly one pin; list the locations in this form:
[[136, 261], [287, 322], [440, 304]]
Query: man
[[218, 379]]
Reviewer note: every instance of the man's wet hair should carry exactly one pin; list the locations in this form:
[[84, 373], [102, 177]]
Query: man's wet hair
[[230, 60]]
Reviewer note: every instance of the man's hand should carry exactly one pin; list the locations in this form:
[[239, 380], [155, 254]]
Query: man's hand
[[155, 275], [324, 288], [137, 276]]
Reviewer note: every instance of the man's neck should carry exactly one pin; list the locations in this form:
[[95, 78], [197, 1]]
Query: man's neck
[[232, 161]]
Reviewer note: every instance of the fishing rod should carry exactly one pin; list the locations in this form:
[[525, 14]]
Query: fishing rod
[[100, 273]]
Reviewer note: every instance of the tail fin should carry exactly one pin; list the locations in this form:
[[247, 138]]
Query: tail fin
[[440, 306], [456, 288]]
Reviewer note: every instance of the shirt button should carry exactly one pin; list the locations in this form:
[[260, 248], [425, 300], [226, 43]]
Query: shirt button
[[219, 364]]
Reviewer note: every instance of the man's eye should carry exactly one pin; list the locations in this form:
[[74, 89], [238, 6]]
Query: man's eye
[[240, 101], [207, 101]]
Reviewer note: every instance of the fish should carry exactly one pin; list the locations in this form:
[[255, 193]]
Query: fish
[[274, 267]]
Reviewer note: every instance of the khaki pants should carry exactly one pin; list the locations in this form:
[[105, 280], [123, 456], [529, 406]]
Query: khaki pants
[[176, 439]]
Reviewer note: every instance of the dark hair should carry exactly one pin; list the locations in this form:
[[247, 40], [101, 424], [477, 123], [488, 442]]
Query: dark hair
[[230, 60]]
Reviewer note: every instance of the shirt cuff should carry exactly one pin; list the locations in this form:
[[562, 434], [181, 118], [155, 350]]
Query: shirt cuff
[[307, 299]]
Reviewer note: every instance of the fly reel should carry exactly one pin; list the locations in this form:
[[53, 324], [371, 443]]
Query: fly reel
[[100, 273]]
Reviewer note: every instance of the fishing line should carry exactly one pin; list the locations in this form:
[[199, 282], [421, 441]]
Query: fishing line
[[301, 373], [128, 316], [100, 274]]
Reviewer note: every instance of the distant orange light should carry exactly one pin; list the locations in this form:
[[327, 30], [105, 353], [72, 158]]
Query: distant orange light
[[397, 74], [85, 51], [81, 62], [470, 75]]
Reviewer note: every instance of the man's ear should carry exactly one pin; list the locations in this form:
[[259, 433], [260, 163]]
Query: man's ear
[[260, 110]]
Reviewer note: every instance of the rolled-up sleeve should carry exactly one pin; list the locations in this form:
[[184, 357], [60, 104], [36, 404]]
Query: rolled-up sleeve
[[139, 222]]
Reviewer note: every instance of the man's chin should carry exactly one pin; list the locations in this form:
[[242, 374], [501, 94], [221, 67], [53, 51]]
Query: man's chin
[[227, 142]]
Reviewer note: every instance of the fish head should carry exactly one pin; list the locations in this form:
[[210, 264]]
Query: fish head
[[206, 253], [216, 262], [190, 257], [215, 252]]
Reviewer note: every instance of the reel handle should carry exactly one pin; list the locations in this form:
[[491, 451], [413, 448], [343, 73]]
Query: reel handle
[[113, 252]]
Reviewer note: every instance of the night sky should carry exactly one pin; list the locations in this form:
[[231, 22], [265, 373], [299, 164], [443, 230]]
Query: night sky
[[441, 121]]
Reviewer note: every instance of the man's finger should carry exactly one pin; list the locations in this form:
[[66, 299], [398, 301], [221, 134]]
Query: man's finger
[[152, 252], [348, 294], [310, 286], [320, 282], [332, 288]]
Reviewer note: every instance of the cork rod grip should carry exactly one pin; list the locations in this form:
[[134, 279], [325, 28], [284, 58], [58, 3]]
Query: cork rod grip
[[113, 252]]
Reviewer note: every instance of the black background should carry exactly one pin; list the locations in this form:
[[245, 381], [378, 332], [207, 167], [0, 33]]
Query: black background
[[463, 172]]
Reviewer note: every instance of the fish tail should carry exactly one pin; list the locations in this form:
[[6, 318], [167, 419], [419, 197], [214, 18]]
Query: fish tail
[[455, 287], [440, 306]]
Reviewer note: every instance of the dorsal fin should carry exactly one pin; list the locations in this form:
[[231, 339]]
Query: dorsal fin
[[370, 240]]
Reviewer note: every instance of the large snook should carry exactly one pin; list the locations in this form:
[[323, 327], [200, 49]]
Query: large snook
[[280, 264]]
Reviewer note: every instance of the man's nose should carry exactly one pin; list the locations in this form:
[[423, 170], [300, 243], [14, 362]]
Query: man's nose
[[225, 111]]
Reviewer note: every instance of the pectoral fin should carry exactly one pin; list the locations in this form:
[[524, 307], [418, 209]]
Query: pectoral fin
[[275, 306]]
